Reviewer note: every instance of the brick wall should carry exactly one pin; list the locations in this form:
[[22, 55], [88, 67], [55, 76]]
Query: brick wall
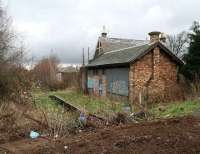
[[104, 81], [154, 76]]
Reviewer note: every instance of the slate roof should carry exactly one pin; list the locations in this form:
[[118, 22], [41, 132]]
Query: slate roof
[[127, 55], [110, 44], [67, 69]]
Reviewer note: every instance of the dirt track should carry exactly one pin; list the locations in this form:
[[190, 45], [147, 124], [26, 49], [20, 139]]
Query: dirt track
[[180, 135]]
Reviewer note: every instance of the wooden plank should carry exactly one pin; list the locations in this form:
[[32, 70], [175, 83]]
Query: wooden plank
[[67, 105], [71, 107]]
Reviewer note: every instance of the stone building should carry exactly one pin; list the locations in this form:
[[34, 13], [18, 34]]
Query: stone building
[[133, 70], [68, 76]]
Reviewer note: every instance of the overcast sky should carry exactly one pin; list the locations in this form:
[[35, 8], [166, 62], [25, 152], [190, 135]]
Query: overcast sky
[[66, 26]]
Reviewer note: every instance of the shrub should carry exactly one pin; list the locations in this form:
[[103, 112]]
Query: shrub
[[15, 84]]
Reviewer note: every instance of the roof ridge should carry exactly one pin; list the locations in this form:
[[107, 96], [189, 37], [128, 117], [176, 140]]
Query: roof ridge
[[126, 39], [138, 45]]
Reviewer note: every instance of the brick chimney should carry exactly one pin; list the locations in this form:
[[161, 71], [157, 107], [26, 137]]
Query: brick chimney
[[154, 36]]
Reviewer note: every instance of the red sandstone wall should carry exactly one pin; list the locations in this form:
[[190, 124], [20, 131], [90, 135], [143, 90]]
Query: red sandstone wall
[[154, 77]]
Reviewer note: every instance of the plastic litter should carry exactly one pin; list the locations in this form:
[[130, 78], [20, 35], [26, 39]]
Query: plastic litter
[[34, 134], [82, 120], [82, 117]]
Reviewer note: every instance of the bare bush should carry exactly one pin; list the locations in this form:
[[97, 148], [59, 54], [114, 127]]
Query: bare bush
[[45, 72], [15, 84], [60, 123]]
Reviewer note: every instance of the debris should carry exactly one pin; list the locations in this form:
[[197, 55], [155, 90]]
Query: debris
[[79, 130], [56, 136], [162, 109], [65, 147], [83, 118], [140, 115], [6, 116], [34, 134], [35, 120], [120, 118], [127, 109]]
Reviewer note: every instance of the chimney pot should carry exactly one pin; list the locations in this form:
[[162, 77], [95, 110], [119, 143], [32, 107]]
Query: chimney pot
[[154, 36], [104, 32]]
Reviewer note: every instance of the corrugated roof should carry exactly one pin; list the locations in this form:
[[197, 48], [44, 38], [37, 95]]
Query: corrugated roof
[[121, 56]]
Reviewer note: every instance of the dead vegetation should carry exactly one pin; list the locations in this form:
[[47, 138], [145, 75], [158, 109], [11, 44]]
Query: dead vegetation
[[17, 121], [177, 135], [13, 124]]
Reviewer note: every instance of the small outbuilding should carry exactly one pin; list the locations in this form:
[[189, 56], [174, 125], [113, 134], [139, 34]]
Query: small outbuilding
[[133, 70]]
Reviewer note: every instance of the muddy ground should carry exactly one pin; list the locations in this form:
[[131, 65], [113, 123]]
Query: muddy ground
[[178, 135]]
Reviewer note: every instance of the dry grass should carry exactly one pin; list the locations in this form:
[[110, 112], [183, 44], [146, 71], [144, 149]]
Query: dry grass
[[60, 123], [13, 123], [16, 121]]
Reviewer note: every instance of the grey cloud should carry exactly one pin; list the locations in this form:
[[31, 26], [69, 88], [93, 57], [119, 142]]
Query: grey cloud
[[66, 26]]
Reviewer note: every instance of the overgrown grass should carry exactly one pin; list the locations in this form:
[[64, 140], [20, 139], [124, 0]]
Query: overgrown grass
[[41, 99], [98, 106], [176, 110]]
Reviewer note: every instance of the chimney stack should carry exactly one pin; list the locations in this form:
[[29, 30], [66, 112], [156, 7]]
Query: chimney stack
[[104, 33], [154, 36]]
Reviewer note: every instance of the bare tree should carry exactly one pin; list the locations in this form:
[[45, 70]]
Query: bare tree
[[14, 80], [178, 43], [45, 71], [10, 49]]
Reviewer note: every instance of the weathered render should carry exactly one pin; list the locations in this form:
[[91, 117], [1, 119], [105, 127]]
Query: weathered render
[[134, 70]]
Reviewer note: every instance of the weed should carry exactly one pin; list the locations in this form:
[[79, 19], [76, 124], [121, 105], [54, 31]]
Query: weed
[[175, 110]]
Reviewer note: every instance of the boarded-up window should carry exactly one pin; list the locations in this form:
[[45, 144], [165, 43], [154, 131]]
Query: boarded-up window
[[90, 81], [117, 81]]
